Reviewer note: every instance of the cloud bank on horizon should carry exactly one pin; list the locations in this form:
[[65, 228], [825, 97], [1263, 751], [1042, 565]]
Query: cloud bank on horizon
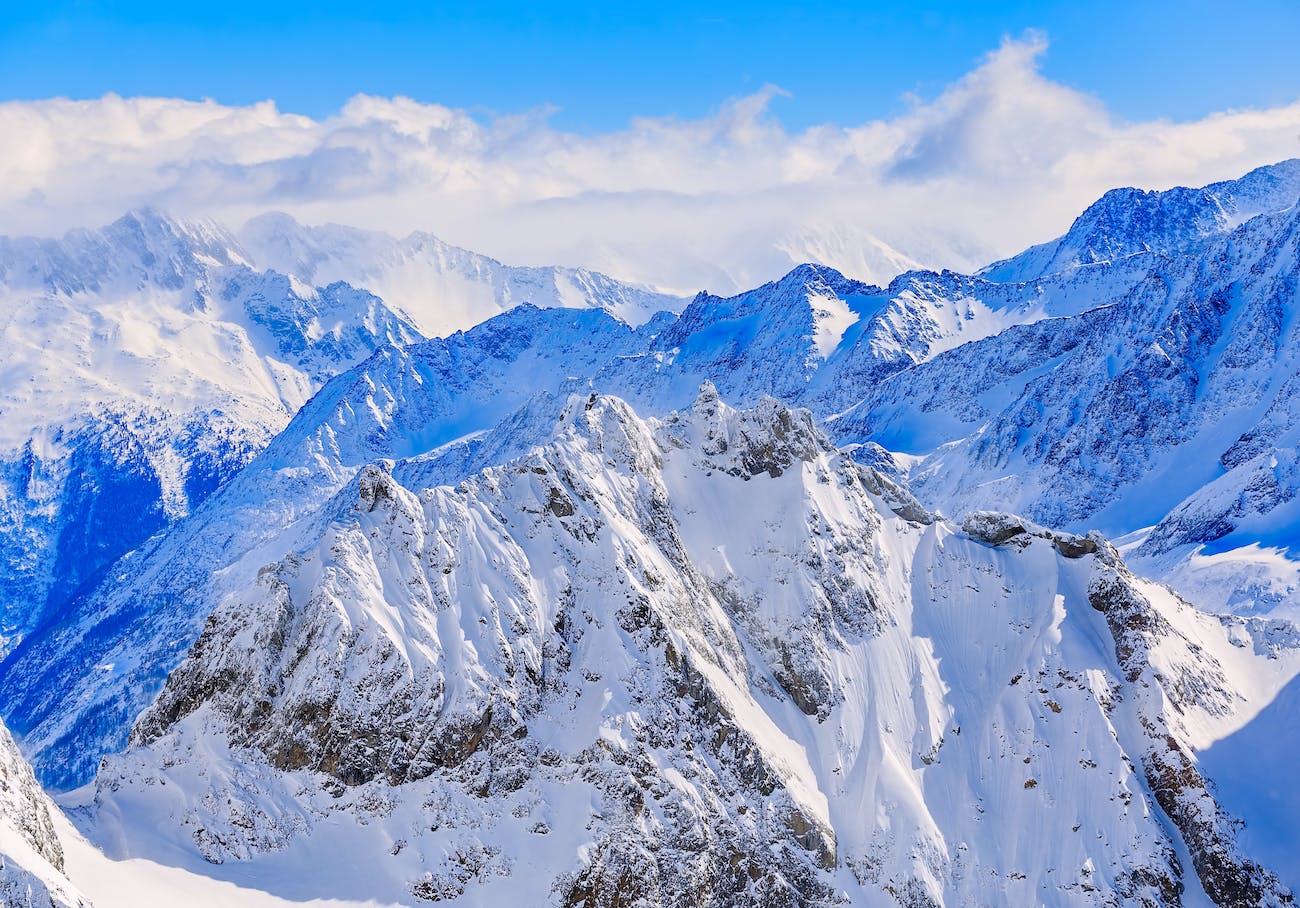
[[1001, 159]]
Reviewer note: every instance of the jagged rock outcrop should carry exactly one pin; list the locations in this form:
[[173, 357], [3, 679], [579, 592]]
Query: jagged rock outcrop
[[31, 858], [1228, 876], [707, 659], [996, 528]]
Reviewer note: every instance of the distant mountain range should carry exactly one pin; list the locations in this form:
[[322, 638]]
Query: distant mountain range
[[526, 584]]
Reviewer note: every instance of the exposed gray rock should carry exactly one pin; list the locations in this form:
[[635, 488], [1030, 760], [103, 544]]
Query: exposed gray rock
[[31, 858]]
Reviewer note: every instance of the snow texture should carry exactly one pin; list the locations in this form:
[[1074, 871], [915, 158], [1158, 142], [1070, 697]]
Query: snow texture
[[704, 654], [527, 612]]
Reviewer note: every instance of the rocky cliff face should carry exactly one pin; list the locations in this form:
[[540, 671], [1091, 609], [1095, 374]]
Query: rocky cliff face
[[31, 858], [704, 659], [1187, 679]]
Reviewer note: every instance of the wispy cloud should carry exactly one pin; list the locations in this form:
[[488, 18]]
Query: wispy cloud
[[1002, 158]]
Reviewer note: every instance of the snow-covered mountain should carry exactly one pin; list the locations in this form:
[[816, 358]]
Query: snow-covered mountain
[[1174, 406], [1130, 221], [519, 607], [935, 363], [705, 655], [145, 364], [148, 361], [74, 687], [440, 288]]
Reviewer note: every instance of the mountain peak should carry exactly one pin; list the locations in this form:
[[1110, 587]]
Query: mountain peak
[[1129, 221], [143, 248], [202, 236]]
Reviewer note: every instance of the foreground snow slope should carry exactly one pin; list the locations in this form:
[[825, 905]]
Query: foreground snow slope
[[707, 657], [141, 883]]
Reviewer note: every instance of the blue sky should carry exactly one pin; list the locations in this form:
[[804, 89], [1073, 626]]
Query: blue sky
[[941, 136], [601, 64]]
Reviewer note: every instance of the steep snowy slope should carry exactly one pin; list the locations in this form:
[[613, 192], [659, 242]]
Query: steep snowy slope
[[1126, 222], [31, 858], [148, 361], [73, 688], [441, 288], [144, 365], [1174, 406], [707, 659]]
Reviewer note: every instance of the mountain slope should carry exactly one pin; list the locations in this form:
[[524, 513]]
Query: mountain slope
[[1130, 221], [145, 365], [815, 334], [73, 688], [472, 624], [441, 288], [149, 360], [711, 658], [1173, 407]]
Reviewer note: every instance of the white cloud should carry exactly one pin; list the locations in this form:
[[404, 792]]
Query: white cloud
[[1003, 158]]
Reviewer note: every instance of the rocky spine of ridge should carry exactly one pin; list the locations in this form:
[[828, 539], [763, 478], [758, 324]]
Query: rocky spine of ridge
[[575, 621], [23, 804], [306, 687], [1228, 876]]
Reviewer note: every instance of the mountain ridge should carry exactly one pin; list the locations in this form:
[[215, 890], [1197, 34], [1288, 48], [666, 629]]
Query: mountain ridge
[[673, 608], [690, 595]]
